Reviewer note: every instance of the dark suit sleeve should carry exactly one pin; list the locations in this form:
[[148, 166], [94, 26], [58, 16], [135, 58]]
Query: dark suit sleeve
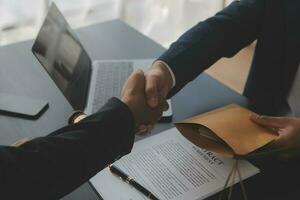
[[52, 166], [222, 35]]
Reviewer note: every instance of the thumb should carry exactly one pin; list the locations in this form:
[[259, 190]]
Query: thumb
[[162, 103], [135, 82], [269, 122], [152, 90]]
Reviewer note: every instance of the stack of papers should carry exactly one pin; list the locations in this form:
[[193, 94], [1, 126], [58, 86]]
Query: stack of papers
[[172, 168]]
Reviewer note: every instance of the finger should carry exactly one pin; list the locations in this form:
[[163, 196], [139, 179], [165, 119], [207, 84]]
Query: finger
[[138, 81], [150, 128], [21, 142], [142, 128], [162, 103], [144, 131], [286, 140], [165, 91], [151, 88], [158, 117], [269, 122], [155, 115], [135, 82], [140, 132]]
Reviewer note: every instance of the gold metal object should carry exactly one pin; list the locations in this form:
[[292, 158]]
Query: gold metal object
[[128, 179], [76, 117]]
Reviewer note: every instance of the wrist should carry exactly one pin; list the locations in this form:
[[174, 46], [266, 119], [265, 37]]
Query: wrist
[[130, 104], [165, 71]]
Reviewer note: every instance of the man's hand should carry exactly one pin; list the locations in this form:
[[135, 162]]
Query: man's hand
[[288, 129], [133, 94], [158, 83]]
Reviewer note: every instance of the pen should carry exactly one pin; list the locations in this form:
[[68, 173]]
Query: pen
[[115, 170]]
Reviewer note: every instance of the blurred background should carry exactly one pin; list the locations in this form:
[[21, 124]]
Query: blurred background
[[21, 19], [161, 20]]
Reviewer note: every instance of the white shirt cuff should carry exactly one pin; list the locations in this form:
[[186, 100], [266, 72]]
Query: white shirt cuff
[[170, 70]]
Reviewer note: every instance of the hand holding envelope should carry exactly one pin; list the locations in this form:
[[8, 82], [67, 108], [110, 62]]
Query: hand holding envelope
[[235, 135], [230, 132], [288, 129]]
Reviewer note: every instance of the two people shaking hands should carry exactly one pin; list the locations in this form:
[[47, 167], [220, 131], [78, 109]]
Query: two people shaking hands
[[52, 166]]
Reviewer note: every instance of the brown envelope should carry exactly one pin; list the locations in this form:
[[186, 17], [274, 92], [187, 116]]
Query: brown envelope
[[228, 131]]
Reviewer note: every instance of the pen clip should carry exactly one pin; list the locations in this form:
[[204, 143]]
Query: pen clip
[[128, 179]]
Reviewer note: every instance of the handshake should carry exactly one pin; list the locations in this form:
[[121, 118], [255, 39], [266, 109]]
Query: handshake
[[145, 95]]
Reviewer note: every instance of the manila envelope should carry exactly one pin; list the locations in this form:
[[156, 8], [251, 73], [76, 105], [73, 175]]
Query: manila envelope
[[227, 130]]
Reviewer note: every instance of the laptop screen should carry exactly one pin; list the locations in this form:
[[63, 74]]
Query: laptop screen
[[62, 55]]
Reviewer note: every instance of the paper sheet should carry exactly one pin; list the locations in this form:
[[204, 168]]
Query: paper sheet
[[171, 167]]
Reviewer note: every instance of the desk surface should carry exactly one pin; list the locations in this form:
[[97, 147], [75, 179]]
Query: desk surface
[[21, 73]]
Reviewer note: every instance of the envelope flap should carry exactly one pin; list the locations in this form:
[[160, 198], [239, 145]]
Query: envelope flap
[[233, 125], [191, 133]]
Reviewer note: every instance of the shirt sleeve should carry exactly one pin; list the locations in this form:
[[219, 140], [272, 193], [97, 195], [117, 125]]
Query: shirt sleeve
[[52, 166], [170, 70], [222, 35]]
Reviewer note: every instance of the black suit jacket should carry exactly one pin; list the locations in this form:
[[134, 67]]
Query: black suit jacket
[[275, 26], [52, 166]]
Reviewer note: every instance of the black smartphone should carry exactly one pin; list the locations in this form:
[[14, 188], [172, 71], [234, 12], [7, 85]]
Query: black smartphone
[[21, 106]]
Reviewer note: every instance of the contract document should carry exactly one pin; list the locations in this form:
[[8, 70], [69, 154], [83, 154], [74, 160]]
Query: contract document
[[172, 168]]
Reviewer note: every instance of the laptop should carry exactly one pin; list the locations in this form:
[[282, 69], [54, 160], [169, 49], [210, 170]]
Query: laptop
[[86, 84]]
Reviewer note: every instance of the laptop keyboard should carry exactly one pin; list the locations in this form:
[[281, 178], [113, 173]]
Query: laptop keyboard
[[109, 81]]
